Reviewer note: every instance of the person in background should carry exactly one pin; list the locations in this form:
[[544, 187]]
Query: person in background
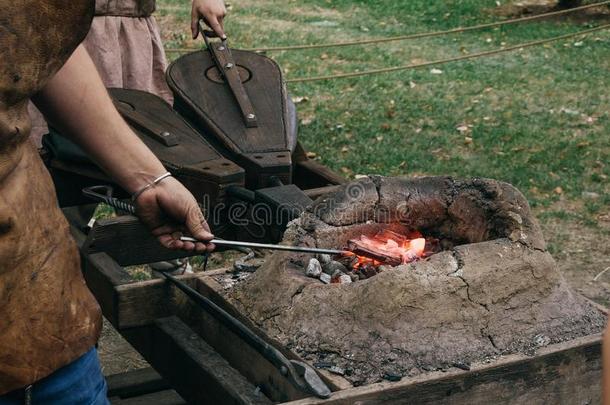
[[125, 45]]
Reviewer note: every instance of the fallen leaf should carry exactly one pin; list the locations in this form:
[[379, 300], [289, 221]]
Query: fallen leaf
[[379, 138], [436, 71], [311, 155], [468, 140], [346, 170], [300, 99], [360, 176], [345, 149], [558, 190], [463, 128], [306, 121], [412, 85]]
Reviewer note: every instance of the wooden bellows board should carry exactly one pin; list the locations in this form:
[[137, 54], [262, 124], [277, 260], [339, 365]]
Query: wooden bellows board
[[252, 125], [183, 151]]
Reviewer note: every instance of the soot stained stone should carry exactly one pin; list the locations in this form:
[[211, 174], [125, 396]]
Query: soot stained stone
[[494, 290]]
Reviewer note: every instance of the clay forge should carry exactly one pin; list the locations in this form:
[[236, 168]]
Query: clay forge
[[483, 286]]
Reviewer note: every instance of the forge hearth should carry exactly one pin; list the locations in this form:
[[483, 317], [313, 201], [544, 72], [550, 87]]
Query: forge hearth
[[489, 287]]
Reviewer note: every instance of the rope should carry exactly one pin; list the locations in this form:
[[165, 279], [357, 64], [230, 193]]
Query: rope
[[415, 36], [442, 61]]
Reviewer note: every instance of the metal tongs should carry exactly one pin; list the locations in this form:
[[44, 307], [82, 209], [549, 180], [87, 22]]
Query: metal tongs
[[300, 374]]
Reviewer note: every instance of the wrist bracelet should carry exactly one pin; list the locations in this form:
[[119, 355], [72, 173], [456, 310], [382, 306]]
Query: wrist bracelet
[[153, 183]]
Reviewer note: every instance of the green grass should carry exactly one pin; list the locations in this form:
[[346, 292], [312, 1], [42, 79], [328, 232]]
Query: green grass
[[538, 119]]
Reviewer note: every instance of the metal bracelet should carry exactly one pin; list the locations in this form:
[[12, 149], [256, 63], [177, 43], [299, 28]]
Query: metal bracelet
[[153, 183]]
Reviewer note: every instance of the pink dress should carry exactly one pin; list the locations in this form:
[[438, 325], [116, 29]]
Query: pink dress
[[125, 45]]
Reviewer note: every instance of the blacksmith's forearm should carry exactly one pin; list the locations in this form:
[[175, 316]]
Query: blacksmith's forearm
[[76, 102]]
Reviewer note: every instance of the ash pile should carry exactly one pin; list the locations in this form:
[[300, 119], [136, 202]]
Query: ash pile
[[446, 273]]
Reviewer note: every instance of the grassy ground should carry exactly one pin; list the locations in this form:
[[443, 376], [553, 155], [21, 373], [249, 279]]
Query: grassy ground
[[539, 118]]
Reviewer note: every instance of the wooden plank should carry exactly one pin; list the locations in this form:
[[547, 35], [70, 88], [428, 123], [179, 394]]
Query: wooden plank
[[128, 241], [314, 193], [166, 397], [135, 383], [195, 369], [309, 174], [564, 373], [143, 302], [103, 275]]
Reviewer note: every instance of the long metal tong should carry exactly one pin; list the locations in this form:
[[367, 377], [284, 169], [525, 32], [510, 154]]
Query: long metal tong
[[104, 194], [300, 374]]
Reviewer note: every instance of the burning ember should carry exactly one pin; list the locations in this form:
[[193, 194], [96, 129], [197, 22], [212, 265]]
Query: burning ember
[[386, 248]]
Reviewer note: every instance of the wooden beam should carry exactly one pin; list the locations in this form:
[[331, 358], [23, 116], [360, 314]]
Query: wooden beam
[[165, 397], [567, 373], [135, 383], [195, 369], [128, 241]]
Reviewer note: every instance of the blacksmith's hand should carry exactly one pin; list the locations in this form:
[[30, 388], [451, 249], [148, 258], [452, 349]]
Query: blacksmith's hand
[[170, 210], [212, 12]]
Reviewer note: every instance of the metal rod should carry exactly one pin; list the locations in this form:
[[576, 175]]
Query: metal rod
[[253, 245], [104, 194]]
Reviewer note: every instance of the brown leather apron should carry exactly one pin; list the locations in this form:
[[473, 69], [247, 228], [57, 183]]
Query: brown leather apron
[[48, 317]]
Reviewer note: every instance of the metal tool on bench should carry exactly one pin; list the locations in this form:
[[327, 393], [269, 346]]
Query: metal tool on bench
[[104, 194], [300, 374]]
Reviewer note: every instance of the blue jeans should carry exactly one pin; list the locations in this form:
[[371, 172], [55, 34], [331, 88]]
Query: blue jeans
[[79, 383]]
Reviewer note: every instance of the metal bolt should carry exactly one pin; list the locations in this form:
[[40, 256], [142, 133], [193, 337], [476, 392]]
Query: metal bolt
[[251, 116], [165, 134], [228, 65]]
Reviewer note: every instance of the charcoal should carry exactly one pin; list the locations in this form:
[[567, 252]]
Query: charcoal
[[337, 370], [324, 258], [323, 364], [248, 263], [314, 268], [332, 267], [462, 366], [392, 376], [369, 271]]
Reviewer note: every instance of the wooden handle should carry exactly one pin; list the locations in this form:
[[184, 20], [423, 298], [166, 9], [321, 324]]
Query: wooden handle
[[228, 69]]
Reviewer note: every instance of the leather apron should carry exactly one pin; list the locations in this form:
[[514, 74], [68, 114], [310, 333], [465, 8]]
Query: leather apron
[[48, 317]]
